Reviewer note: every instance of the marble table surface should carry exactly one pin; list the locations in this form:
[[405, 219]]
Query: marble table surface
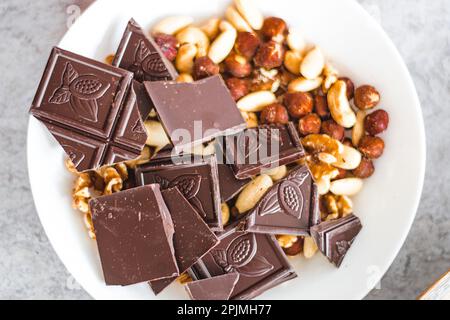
[[30, 269]]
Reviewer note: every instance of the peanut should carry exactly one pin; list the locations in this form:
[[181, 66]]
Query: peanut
[[250, 12], [235, 18], [253, 192], [256, 101], [346, 187], [309, 248], [349, 159], [295, 40], [196, 36], [358, 129], [304, 85], [292, 61], [156, 136], [222, 46], [211, 28], [171, 25], [313, 64]]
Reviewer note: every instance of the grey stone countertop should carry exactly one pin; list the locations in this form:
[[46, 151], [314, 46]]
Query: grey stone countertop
[[30, 269]]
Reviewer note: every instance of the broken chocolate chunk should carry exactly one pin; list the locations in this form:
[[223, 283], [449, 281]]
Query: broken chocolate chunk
[[216, 288]]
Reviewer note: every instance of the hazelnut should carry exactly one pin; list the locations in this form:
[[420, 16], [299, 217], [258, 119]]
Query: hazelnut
[[342, 174], [347, 142], [334, 130], [275, 113], [299, 104], [366, 97], [238, 66], [350, 87], [296, 248], [371, 147], [376, 122], [365, 169], [270, 55], [274, 29], [204, 67], [321, 104], [246, 44], [310, 124], [238, 87], [168, 45]]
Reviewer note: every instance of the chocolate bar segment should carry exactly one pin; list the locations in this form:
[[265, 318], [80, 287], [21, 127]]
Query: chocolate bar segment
[[290, 207], [134, 234], [89, 109], [229, 185], [192, 238], [334, 238], [257, 258], [267, 146], [197, 180], [193, 113], [217, 288], [141, 55]]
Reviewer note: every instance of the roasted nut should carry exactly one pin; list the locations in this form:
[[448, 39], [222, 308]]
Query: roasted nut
[[372, 147], [113, 181], [274, 29], [172, 25], [225, 213], [256, 101], [251, 118], [296, 41], [330, 203], [329, 70], [211, 28], [304, 85], [156, 135], [238, 87], [143, 158], [109, 59], [309, 124], [326, 158], [184, 278], [292, 61], [317, 143], [366, 97], [238, 66], [194, 35], [350, 87], [168, 45], [204, 67], [346, 187], [365, 169], [299, 104], [222, 45], [347, 142], [348, 159], [277, 173], [313, 64], [183, 78], [275, 113], [323, 185], [345, 206], [295, 249], [358, 129], [253, 192], [246, 44], [250, 12], [328, 82], [185, 58], [342, 174], [339, 105], [235, 18], [269, 55], [70, 166], [331, 128], [309, 248], [286, 241], [321, 105], [376, 122]]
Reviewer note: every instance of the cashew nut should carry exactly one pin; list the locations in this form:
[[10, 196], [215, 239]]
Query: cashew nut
[[222, 46], [256, 101], [346, 187], [304, 85], [328, 82], [339, 105], [194, 35], [313, 64], [292, 61], [234, 17], [253, 192], [171, 25], [156, 135], [250, 12], [185, 58], [358, 129]]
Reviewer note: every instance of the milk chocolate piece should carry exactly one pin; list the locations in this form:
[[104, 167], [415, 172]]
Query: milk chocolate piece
[[229, 185], [192, 239], [88, 107], [197, 181], [257, 258], [134, 234], [290, 207], [141, 55], [266, 146], [193, 113], [217, 288], [334, 238]]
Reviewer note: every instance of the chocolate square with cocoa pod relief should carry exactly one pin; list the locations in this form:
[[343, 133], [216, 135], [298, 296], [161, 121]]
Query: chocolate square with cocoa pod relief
[[257, 258], [291, 206], [90, 109]]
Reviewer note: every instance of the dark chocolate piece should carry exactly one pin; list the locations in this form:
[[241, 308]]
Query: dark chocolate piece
[[229, 185], [197, 180], [290, 207], [134, 234], [334, 238], [193, 113], [257, 258], [267, 146], [217, 288], [141, 55], [85, 105], [143, 101], [192, 239]]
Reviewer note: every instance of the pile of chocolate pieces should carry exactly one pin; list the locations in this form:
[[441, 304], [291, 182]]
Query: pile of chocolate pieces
[[168, 221]]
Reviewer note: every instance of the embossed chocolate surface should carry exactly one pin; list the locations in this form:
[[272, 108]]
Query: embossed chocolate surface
[[266, 146], [134, 234], [89, 109], [217, 288], [290, 207], [140, 54], [257, 258], [192, 238], [197, 181], [203, 110], [229, 185], [334, 238]]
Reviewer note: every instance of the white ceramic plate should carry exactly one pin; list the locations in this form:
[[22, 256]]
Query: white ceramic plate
[[359, 48]]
